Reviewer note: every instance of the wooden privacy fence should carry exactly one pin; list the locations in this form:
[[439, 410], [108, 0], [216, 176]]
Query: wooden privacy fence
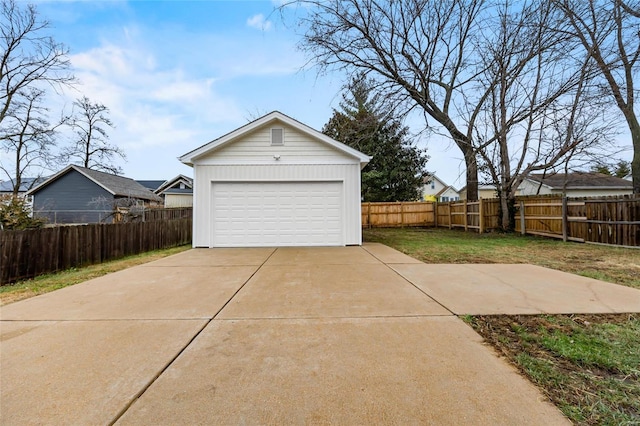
[[607, 220], [610, 220], [168, 213], [389, 215], [29, 253], [480, 215]]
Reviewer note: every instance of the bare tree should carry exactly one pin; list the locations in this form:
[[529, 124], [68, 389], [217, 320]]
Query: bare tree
[[609, 33], [90, 146], [30, 61], [540, 111], [28, 137], [422, 52]]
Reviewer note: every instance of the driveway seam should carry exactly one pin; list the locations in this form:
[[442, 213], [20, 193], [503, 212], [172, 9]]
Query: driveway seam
[[334, 318], [155, 377], [166, 367], [400, 275]]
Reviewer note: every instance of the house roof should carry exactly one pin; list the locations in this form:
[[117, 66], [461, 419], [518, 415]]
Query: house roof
[[580, 180], [445, 189], [25, 184], [167, 186], [178, 191], [215, 144], [118, 186], [151, 185], [428, 179]]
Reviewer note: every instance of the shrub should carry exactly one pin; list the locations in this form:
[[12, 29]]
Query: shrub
[[15, 213]]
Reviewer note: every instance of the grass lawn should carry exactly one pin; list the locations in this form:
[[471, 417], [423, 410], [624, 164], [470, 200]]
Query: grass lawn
[[588, 365], [49, 282]]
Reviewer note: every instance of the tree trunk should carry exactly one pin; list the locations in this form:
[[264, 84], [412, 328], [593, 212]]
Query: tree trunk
[[472, 173], [507, 210], [634, 126]]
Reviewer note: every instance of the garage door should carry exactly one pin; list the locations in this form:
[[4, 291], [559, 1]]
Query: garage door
[[253, 214]]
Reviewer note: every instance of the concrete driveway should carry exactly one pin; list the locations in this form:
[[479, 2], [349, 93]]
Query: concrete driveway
[[351, 335]]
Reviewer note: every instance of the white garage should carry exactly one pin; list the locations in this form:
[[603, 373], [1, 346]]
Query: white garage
[[276, 182]]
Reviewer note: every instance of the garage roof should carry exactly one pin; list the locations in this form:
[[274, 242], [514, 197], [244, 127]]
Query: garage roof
[[215, 144]]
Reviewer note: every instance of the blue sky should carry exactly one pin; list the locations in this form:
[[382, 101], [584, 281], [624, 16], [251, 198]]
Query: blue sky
[[177, 74]]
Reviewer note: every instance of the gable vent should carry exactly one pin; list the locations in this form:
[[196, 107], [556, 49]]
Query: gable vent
[[277, 136]]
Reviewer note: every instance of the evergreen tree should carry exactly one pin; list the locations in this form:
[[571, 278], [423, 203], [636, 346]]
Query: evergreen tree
[[623, 169], [397, 169]]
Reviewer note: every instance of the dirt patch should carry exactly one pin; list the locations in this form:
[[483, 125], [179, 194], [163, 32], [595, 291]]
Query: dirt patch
[[588, 390]]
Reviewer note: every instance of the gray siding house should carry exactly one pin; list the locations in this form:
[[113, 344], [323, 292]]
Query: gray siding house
[[80, 195]]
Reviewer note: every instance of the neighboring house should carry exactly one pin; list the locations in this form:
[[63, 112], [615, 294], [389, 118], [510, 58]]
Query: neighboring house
[[80, 195], [435, 189], [276, 182], [486, 191], [177, 192], [576, 184], [151, 185], [6, 187]]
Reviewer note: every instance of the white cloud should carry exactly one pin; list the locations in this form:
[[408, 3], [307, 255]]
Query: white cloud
[[259, 22], [152, 106]]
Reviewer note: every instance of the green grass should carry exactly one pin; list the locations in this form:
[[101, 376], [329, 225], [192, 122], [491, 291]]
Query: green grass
[[50, 282], [609, 346], [588, 365]]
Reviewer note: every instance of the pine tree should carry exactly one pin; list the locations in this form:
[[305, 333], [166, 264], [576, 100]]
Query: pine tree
[[397, 169]]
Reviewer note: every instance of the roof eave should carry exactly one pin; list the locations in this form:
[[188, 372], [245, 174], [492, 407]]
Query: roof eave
[[64, 172], [216, 144]]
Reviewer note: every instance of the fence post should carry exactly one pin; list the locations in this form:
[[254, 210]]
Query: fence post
[[481, 217], [449, 205], [369, 215], [434, 204], [466, 215], [565, 219], [522, 228]]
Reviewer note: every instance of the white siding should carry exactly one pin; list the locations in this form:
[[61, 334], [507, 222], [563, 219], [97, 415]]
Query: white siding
[[255, 148], [450, 195], [206, 174], [532, 188], [178, 200], [432, 188]]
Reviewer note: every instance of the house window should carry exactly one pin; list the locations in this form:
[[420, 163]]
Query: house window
[[433, 185], [277, 137], [445, 199]]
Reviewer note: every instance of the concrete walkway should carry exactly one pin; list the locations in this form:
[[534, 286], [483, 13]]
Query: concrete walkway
[[351, 335]]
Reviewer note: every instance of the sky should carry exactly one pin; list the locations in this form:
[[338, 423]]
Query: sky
[[178, 74]]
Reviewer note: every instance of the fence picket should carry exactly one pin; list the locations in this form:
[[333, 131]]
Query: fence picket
[[29, 253]]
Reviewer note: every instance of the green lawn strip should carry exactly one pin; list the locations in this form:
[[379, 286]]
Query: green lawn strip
[[50, 282], [588, 365]]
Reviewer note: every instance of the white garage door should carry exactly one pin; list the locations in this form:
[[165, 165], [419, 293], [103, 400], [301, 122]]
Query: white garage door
[[252, 214]]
